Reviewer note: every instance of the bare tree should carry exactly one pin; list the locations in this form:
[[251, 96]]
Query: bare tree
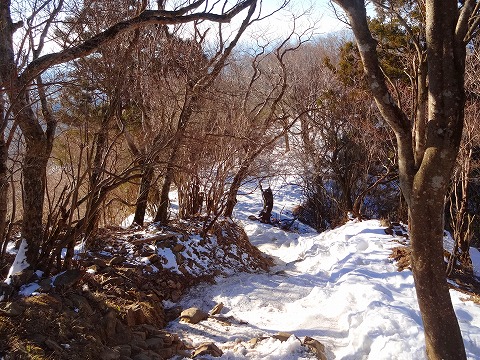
[[263, 116], [192, 97], [427, 151], [22, 68]]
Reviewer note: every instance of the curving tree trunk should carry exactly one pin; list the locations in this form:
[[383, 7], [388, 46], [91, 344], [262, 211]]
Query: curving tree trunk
[[427, 153], [235, 186]]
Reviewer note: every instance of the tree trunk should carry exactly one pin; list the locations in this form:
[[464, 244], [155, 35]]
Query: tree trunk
[[92, 214], [190, 102], [235, 186], [266, 213], [426, 157], [142, 198], [420, 122], [162, 212], [34, 182], [442, 333], [3, 195]]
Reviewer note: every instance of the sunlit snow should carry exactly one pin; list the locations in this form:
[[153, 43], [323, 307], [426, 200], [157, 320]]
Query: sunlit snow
[[20, 263], [338, 287]]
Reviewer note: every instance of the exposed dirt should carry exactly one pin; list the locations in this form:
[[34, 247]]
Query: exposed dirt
[[110, 305], [460, 280]]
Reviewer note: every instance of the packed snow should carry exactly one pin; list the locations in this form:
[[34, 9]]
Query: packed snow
[[338, 287]]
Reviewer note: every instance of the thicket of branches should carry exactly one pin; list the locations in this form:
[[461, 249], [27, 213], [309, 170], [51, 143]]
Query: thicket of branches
[[127, 103], [106, 106]]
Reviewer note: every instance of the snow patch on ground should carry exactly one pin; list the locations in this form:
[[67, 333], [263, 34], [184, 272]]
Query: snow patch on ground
[[338, 287]]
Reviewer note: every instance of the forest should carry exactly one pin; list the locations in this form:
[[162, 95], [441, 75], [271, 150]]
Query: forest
[[108, 106]]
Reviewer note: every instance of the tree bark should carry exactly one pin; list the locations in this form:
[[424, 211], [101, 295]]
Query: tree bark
[[142, 198], [266, 213], [3, 194], [34, 182], [97, 170], [235, 186], [162, 212], [443, 338], [426, 158]]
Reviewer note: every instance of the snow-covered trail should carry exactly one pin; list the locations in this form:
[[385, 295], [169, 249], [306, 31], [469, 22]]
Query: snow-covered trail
[[338, 287]]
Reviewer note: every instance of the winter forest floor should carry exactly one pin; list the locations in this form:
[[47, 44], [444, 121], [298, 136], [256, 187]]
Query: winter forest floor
[[277, 294]]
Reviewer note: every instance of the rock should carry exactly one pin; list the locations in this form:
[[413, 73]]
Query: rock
[[68, 278], [139, 335], [168, 339], [82, 304], [109, 354], [142, 356], [217, 309], [117, 260], [45, 285], [99, 262], [152, 331], [316, 347], [146, 252], [166, 353], [179, 258], [138, 345], [148, 355], [52, 345], [135, 315], [165, 241], [172, 313], [22, 277], [12, 309], [115, 281], [193, 315], [184, 270], [207, 349], [178, 248], [110, 323], [124, 350], [158, 265], [282, 336], [176, 295], [155, 343], [153, 258], [6, 291], [145, 313], [123, 334]]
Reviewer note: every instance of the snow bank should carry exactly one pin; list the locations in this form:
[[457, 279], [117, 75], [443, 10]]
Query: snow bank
[[338, 287]]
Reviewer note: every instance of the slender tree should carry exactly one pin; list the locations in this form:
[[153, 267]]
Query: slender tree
[[427, 151]]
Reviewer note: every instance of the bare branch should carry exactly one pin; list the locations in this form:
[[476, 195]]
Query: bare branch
[[159, 17]]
